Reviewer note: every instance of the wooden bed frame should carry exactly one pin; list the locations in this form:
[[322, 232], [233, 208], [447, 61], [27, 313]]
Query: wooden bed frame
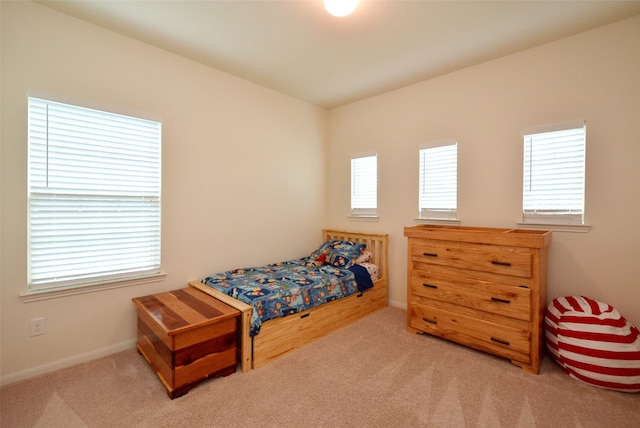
[[281, 335]]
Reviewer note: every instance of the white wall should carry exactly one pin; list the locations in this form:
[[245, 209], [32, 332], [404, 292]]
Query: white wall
[[593, 76], [231, 195]]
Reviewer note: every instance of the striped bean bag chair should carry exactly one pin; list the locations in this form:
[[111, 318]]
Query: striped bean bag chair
[[593, 343]]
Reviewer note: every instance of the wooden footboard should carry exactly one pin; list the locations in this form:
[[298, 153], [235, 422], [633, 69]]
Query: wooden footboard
[[243, 340], [282, 335]]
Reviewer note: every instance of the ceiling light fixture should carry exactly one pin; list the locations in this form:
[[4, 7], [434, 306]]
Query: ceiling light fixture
[[340, 7]]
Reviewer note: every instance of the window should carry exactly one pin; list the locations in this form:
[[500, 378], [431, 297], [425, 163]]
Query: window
[[438, 197], [364, 185], [94, 196], [554, 171]]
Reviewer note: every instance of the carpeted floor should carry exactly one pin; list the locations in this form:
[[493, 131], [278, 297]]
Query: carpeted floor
[[370, 374]]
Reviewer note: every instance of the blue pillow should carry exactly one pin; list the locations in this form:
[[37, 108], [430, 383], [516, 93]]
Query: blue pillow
[[343, 254]]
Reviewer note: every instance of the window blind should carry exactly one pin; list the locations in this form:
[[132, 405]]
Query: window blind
[[94, 195], [438, 196], [364, 185], [554, 175]]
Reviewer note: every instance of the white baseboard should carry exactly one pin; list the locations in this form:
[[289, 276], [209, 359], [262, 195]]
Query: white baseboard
[[398, 305], [66, 362], [83, 358]]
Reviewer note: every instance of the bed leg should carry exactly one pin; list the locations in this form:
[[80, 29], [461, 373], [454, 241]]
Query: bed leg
[[245, 341]]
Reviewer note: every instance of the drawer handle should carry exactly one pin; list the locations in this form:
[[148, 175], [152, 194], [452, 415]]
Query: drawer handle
[[497, 299], [430, 254], [500, 341], [429, 285], [501, 263], [305, 315], [429, 321]]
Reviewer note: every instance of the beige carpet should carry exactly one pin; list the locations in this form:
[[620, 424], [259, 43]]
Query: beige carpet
[[370, 374]]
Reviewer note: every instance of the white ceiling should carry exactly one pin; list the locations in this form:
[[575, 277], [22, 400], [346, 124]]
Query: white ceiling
[[296, 48]]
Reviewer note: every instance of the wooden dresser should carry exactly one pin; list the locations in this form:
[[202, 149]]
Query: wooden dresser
[[186, 336], [481, 287]]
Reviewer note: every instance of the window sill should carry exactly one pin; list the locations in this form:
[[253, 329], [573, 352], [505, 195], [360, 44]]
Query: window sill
[[576, 228], [54, 293], [363, 217], [435, 221]]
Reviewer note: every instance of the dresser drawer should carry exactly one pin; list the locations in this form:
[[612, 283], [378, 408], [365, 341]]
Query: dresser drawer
[[507, 300], [503, 260], [487, 336]]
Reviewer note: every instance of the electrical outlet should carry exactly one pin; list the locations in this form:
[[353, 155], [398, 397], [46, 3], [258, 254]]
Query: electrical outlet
[[37, 326]]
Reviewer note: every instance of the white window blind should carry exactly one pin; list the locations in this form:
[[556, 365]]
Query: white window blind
[[438, 197], [94, 196], [554, 174], [364, 185]]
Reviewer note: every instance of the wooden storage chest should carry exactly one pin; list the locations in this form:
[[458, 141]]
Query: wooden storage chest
[[186, 336], [481, 287]]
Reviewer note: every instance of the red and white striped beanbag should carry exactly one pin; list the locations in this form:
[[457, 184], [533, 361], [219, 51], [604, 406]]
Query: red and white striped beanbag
[[593, 343]]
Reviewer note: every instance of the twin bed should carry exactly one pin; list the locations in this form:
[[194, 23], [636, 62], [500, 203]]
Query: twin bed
[[286, 305]]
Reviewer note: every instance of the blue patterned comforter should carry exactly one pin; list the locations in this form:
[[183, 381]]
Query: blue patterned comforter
[[280, 289]]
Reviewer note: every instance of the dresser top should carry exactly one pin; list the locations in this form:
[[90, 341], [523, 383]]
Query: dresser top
[[481, 235]]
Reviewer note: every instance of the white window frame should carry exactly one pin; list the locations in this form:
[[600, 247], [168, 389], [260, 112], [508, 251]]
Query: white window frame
[[553, 187], [93, 175], [438, 181], [364, 185]]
